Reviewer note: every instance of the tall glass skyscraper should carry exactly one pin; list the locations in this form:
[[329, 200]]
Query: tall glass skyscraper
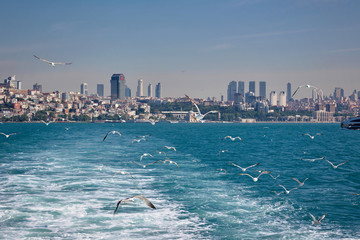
[[150, 90], [231, 91], [100, 90], [252, 86], [262, 89], [158, 90], [84, 89], [117, 84], [241, 88], [288, 91], [140, 88]]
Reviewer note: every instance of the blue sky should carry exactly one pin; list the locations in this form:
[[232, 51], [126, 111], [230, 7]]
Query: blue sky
[[195, 47]]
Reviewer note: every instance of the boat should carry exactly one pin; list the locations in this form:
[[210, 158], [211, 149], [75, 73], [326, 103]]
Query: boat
[[352, 123]]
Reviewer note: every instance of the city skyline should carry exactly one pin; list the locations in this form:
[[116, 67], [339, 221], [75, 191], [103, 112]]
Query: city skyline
[[184, 45]]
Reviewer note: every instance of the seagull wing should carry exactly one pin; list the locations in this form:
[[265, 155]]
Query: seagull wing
[[145, 200], [106, 136], [3, 134], [283, 187], [117, 206], [42, 59], [236, 165], [253, 165], [312, 216], [117, 133], [330, 163], [194, 104], [296, 180], [323, 216], [296, 91], [342, 163], [246, 175]]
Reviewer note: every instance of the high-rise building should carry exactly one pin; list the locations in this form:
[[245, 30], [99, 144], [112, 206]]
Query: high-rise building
[[338, 93], [262, 90], [158, 90], [252, 86], [127, 92], [288, 92], [241, 88], [37, 87], [315, 94], [84, 89], [282, 99], [273, 98], [117, 86], [231, 91], [150, 90], [140, 91], [100, 90]]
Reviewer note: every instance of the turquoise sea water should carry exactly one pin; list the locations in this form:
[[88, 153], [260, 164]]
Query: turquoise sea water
[[61, 184]]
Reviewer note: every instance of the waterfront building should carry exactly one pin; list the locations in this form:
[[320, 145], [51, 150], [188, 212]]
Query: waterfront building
[[158, 90], [140, 91], [262, 90], [252, 86], [288, 92], [282, 99], [37, 87], [84, 89], [117, 86], [241, 88], [231, 91], [273, 98], [323, 116], [150, 90], [100, 90]]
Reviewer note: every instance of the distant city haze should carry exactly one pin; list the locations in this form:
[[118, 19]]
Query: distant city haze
[[190, 47]]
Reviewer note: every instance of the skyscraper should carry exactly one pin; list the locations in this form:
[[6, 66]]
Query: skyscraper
[[262, 90], [338, 93], [288, 92], [84, 89], [252, 86], [158, 90], [127, 92], [231, 91], [273, 98], [282, 99], [37, 87], [140, 91], [100, 90], [117, 86], [150, 90], [241, 88]]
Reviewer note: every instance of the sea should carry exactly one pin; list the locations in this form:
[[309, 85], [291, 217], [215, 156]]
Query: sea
[[63, 181]]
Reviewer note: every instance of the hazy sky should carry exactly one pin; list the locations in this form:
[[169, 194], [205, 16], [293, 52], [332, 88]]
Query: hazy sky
[[191, 46]]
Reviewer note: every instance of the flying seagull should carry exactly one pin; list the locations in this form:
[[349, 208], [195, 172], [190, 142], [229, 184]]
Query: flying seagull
[[168, 147], [138, 140], [160, 152], [8, 135], [233, 138], [53, 64], [171, 162], [274, 177], [46, 123], [312, 137], [145, 165], [335, 166], [317, 221], [111, 132], [307, 86], [221, 169], [197, 116], [132, 199], [300, 183], [287, 191], [123, 173], [146, 154], [244, 169], [312, 159], [255, 179]]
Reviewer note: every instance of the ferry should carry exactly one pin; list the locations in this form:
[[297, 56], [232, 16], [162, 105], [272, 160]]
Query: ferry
[[352, 123]]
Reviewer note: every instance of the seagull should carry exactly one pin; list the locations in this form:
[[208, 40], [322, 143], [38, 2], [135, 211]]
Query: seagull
[[168, 160], [138, 140], [244, 169], [67, 128], [221, 169], [286, 191], [274, 177], [197, 116], [222, 151], [111, 132], [255, 179], [132, 199], [300, 183], [317, 221], [168, 147], [307, 86], [46, 123], [144, 166], [146, 154], [312, 137], [52, 64], [335, 166], [233, 138], [277, 193], [313, 159], [123, 173], [8, 135]]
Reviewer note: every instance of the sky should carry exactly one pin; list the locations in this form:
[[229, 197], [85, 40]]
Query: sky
[[193, 47]]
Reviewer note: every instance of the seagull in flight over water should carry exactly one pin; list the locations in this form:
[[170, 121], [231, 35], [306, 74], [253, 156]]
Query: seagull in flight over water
[[132, 199], [244, 169], [312, 137], [298, 181], [168, 147], [233, 138], [197, 116], [111, 132], [317, 221], [8, 135], [336, 166], [313, 159], [255, 179], [287, 191], [146, 154], [52, 64]]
